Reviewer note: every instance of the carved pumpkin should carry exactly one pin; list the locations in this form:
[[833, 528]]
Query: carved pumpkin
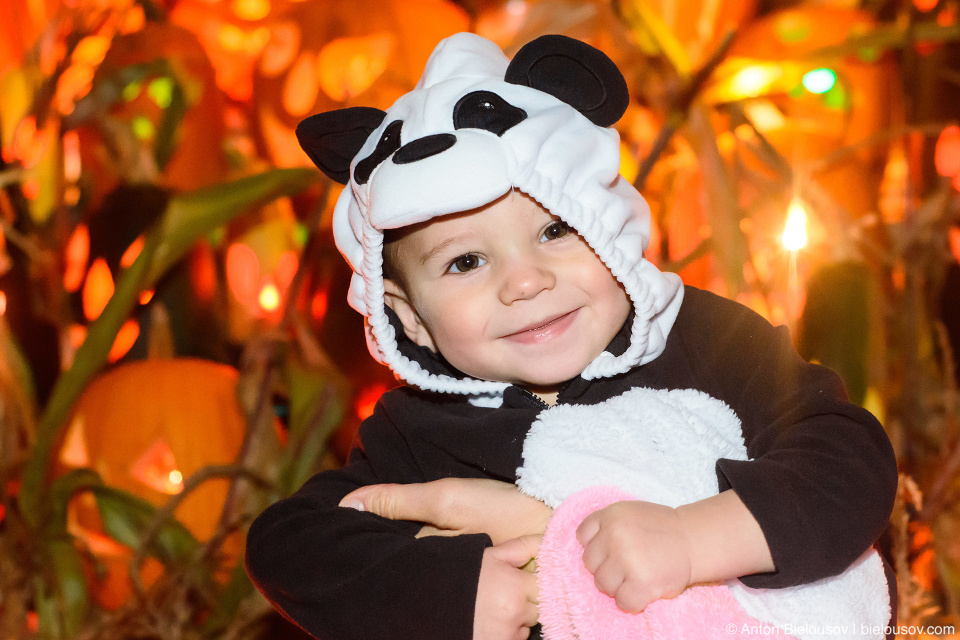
[[145, 426], [176, 75]]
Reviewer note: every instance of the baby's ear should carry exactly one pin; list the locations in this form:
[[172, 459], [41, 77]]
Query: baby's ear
[[333, 138], [574, 72], [413, 325]]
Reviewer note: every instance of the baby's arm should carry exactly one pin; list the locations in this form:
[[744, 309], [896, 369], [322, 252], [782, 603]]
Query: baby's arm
[[822, 475], [639, 552], [726, 540]]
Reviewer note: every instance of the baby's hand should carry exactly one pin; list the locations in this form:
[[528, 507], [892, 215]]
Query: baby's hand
[[507, 594], [637, 551]]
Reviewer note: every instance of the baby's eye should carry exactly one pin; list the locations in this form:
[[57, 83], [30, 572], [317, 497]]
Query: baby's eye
[[556, 231], [466, 262]]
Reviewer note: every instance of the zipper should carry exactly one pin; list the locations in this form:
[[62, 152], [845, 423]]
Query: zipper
[[534, 398]]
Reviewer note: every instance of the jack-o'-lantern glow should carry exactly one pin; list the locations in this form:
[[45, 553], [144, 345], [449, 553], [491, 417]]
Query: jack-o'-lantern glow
[[260, 265], [145, 427]]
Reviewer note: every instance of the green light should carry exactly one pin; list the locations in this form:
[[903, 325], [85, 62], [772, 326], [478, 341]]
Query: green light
[[131, 91], [161, 90], [819, 80], [143, 128], [300, 235], [836, 98]]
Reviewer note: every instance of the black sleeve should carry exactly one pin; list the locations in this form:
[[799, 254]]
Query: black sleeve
[[822, 476], [343, 574]]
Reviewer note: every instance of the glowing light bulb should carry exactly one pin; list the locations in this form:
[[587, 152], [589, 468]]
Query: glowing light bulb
[[176, 479], [251, 9], [3, 303], [71, 156], [754, 80], [367, 399], [795, 230], [269, 297], [819, 80], [243, 272]]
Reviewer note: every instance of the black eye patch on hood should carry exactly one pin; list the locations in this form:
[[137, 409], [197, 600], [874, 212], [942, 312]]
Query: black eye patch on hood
[[389, 142], [488, 111]]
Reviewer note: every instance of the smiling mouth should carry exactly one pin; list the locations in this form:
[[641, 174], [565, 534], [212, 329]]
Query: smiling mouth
[[543, 329]]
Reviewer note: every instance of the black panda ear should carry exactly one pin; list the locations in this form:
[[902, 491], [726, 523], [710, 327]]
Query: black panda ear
[[573, 71], [333, 138]]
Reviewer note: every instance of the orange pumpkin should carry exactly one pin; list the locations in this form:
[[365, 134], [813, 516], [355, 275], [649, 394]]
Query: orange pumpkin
[[145, 427]]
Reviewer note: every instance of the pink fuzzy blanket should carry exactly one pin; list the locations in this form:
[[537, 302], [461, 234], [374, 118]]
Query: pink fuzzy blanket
[[572, 608]]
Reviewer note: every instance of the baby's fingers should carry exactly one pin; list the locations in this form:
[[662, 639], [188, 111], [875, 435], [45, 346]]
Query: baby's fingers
[[589, 528], [594, 555], [608, 577], [631, 598]]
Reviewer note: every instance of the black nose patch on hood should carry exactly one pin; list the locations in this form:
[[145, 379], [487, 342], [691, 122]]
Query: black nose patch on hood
[[424, 148]]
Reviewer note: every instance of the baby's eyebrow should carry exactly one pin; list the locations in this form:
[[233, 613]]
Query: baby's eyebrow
[[439, 248]]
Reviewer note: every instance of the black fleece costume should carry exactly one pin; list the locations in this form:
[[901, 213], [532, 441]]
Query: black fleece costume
[[820, 482]]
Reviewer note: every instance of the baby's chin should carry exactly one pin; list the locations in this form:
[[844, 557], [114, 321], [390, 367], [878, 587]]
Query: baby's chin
[[546, 377], [542, 384]]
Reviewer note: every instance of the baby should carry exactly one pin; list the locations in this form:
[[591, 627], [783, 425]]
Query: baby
[[498, 262]]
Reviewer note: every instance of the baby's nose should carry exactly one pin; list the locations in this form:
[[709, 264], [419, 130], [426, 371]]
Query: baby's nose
[[524, 279]]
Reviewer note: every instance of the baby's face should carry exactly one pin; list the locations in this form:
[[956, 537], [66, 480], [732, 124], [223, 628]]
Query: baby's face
[[507, 293]]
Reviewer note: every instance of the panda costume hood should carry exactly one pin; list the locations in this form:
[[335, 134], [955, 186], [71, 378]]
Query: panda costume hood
[[476, 126]]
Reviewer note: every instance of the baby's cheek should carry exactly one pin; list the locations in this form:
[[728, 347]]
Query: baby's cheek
[[460, 344]]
